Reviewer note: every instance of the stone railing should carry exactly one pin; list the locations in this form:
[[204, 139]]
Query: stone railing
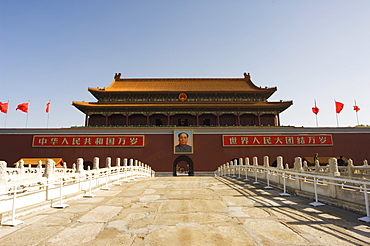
[[23, 189], [21, 172], [358, 171], [325, 182]]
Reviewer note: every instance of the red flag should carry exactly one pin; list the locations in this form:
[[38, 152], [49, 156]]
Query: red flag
[[356, 108], [23, 107], [4, 107], [315, 110], [47, 110], [338, 107]]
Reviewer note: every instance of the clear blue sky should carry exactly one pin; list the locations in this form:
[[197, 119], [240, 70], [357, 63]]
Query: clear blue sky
[[55, 50]]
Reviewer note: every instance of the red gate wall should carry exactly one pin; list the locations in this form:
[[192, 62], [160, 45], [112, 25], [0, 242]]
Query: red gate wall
[[208, 154]]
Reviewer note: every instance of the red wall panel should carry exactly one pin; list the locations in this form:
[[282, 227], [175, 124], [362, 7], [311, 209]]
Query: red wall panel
[[209, 152]]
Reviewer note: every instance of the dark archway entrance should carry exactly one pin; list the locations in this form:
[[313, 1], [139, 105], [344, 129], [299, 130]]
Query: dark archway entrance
[[186, 159], [88, 164]]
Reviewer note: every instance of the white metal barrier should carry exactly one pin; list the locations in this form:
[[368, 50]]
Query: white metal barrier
[[17, 194], [348, 189]]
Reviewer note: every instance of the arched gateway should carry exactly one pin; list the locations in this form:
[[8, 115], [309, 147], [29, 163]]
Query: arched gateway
[[186, 159]]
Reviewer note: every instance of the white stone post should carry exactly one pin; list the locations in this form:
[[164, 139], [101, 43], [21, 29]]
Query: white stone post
[[239, 167], [231, 168], [80, 165], [266, 164], [232, 164], [54, 166], [138, 168], [64, 167], [350, 168], [333, 171], [255, 161], [280, 163], [135, 168], [305, 166], [298, 164], [3, 178], [125, 168], [96, 163], [333, 167], [21, 169], [49, 170], [39, 169], [141, 168], [255, 164], [247, 164], [118, 165]]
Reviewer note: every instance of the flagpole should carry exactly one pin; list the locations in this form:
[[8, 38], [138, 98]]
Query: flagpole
[[357, 114], [6, 116], [47, 123], [317, 121], [27, 112], [336, 114]]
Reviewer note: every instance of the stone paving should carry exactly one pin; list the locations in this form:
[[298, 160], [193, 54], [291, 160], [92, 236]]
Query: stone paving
[[188, 211]]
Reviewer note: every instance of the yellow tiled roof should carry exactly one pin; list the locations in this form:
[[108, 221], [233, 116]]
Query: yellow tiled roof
[[183, 85], [182, 104]]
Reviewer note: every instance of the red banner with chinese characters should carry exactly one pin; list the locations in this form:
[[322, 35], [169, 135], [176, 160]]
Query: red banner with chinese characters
[[277, 140], [88, 141]]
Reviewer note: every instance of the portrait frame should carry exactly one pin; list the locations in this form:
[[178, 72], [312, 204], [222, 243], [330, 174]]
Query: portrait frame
[[177, 148]]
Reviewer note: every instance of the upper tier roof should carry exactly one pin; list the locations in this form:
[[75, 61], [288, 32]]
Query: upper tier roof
[[184, 85], [253, 106]]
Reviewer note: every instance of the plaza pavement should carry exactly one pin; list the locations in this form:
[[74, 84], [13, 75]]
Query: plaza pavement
[[188, 211]]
